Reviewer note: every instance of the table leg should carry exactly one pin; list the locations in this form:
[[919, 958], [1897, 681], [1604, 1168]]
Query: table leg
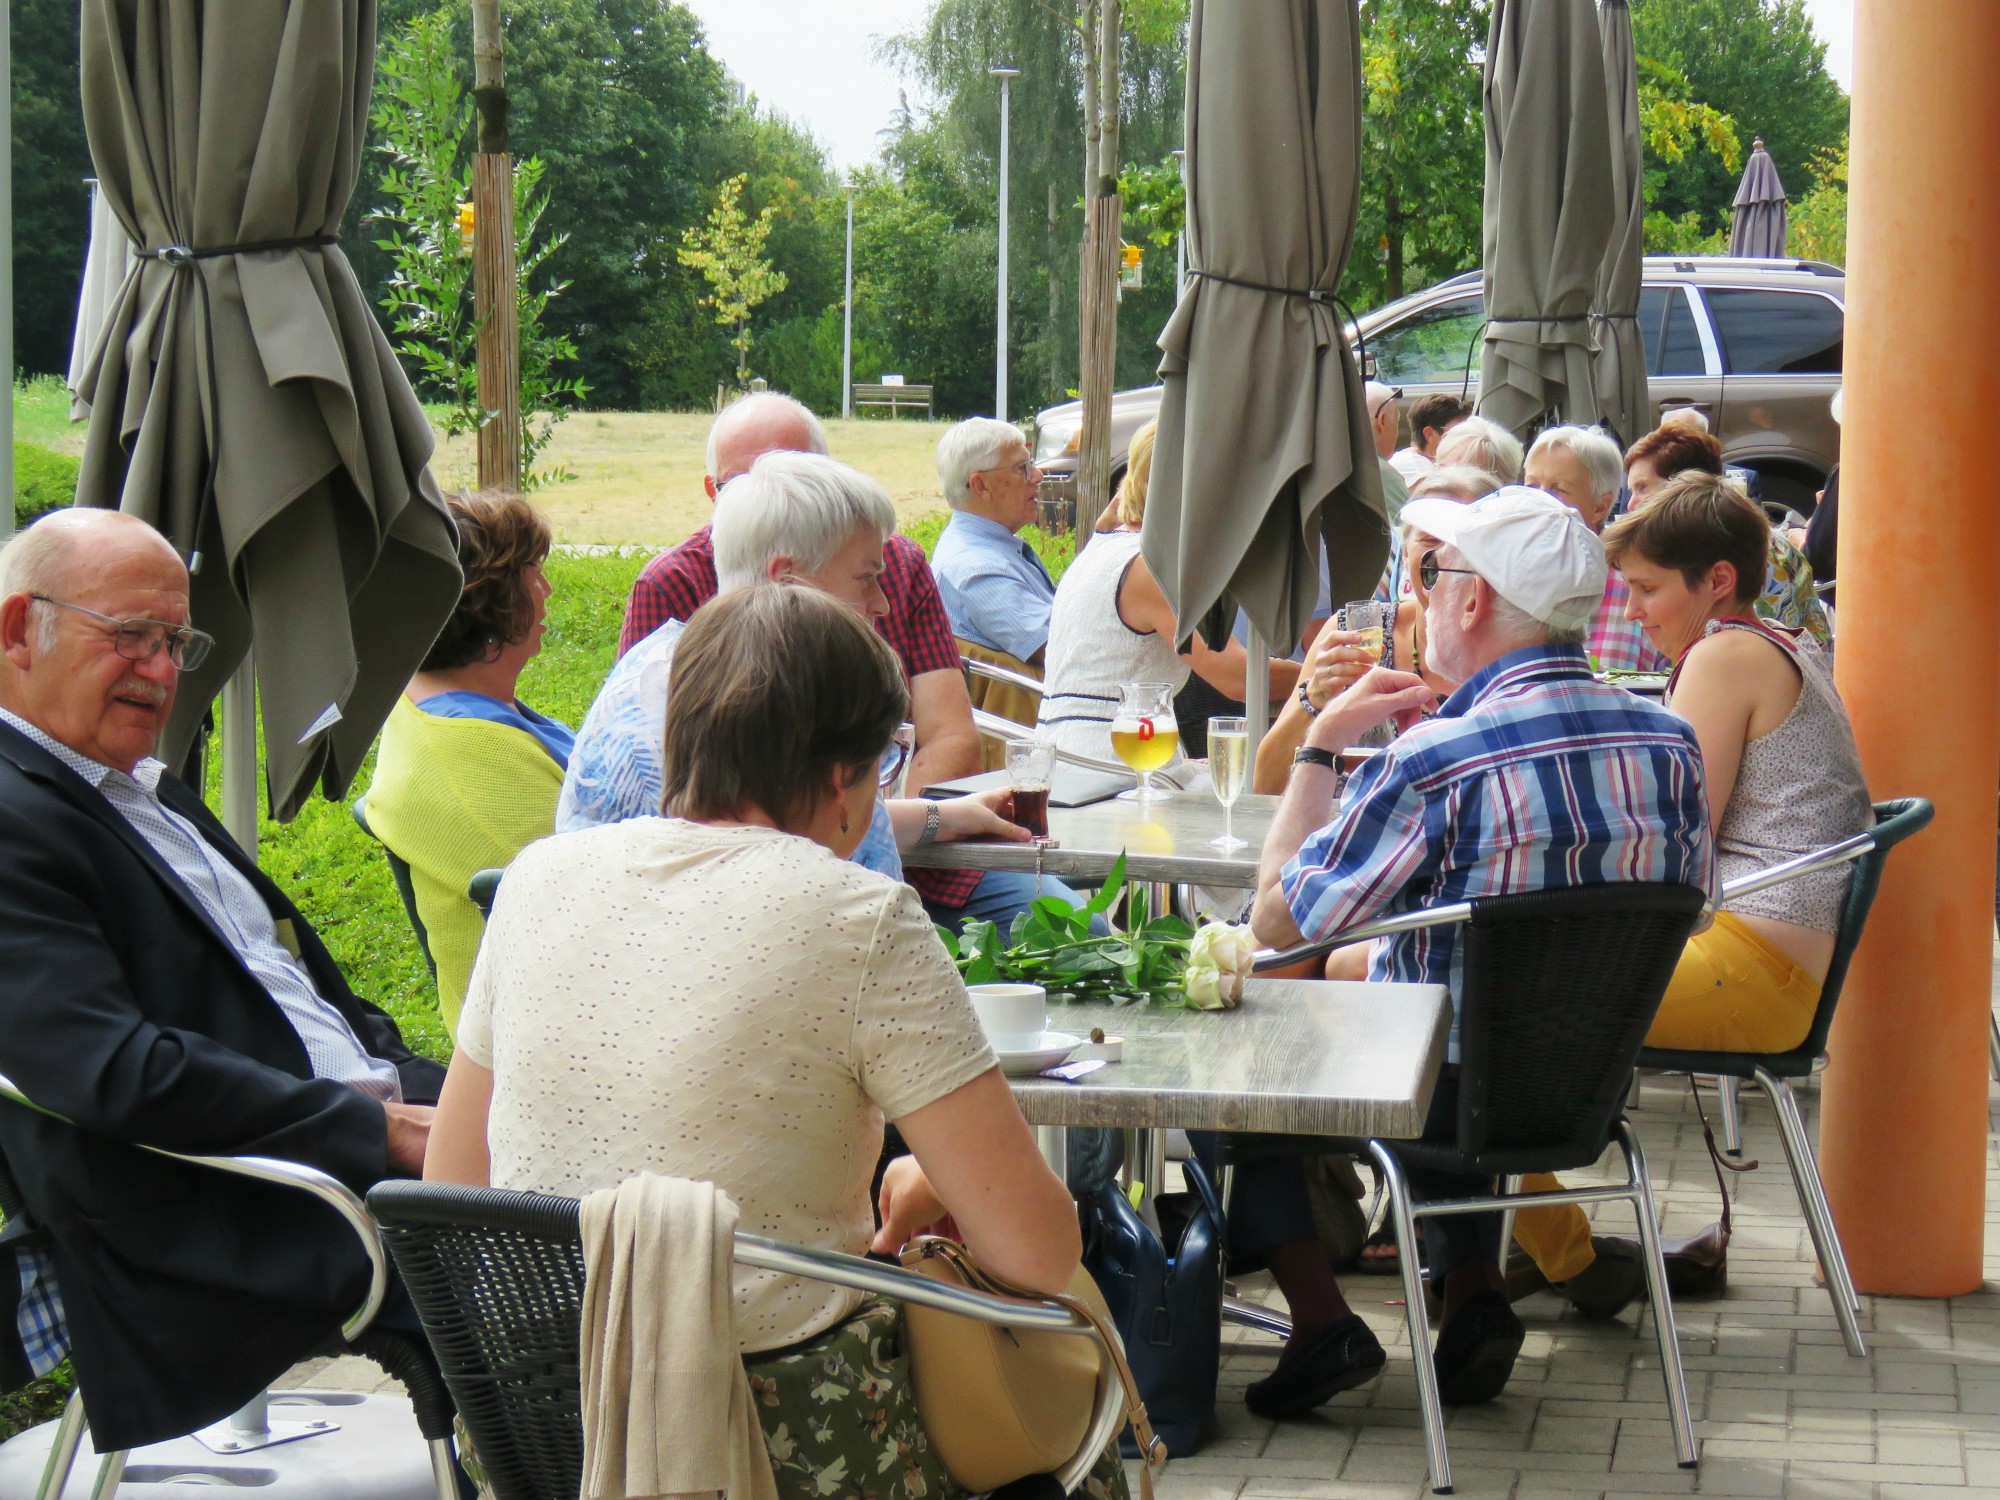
[[1053, 1141]]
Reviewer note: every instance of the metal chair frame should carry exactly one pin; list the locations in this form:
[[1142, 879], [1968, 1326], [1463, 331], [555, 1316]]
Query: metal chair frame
[[337, 1196], [397, 1203], [1002, 674]]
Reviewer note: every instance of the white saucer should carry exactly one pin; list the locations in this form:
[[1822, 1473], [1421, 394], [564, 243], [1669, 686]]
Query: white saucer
[[1056, 1046]]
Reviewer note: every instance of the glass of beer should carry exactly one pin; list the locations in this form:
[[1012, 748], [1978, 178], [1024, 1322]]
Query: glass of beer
[[1145, 735], [1228, 773], [1030, 765], [1370, 620]]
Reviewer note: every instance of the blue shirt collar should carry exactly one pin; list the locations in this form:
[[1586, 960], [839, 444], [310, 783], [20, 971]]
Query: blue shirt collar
[[984, 527], [1528, 664]]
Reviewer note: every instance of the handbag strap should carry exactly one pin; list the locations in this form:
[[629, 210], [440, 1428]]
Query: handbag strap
[[1152, 1449], [1715, 1155]]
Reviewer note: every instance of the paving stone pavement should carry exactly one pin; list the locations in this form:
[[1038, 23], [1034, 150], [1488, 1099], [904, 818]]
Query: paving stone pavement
[[1780, 1407]]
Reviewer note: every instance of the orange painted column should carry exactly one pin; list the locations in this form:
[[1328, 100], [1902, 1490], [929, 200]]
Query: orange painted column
[[1903, 1131]]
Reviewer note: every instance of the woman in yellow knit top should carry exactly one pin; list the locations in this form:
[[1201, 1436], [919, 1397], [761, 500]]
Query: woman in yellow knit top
[[466, 774]]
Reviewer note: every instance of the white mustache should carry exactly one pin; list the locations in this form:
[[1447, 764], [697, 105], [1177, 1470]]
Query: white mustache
[[137, 687]]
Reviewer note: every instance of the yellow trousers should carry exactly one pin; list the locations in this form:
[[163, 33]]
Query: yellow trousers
[[1732, 991]]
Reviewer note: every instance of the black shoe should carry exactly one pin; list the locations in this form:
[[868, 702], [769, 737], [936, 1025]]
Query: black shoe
[[1476, 1350], [1345, 1354], [1610, 1283]]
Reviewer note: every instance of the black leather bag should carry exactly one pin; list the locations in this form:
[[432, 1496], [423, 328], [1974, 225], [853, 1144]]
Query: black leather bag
[[1166, 1298]]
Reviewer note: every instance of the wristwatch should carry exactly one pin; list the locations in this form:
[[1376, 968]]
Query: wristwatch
[[1312, 755], [1305, 698], [931, 818]]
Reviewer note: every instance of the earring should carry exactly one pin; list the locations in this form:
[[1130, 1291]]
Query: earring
[[843, 822]]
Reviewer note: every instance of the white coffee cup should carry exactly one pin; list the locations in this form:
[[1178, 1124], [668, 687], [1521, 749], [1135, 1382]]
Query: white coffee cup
[[1013, 1016]]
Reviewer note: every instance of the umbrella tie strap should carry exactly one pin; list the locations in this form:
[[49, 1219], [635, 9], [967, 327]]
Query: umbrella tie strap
[[181, 258], [1315, 294]]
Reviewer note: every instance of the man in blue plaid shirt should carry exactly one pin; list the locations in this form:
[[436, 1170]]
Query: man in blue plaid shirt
[[1531, 775]]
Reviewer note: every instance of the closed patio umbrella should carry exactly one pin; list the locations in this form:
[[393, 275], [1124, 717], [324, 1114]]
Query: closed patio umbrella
[[105, 262], [1263, 445], [1758, 227], [1548, 210], [243, 398], [1621, 348]]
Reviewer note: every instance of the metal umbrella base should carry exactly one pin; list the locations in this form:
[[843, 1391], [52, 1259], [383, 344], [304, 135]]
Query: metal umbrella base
[[374, 1452]]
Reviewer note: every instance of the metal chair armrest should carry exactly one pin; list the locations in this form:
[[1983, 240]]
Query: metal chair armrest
[[1810, 863], [335, 1194], [882, 1280], [1002, 674], [1006, 729]]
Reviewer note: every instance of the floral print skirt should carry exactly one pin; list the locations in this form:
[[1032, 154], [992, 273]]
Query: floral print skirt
[[840, 1419]]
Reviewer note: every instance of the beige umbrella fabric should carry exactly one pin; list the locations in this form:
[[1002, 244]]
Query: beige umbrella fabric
[[1621, 348], [1548, 210], [105, 262], [243, 398], [1263, 444]]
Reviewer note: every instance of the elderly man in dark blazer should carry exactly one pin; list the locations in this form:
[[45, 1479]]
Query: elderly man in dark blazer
[[156, 988]]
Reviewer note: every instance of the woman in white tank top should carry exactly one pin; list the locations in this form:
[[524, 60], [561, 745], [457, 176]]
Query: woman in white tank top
[[1111, 625]]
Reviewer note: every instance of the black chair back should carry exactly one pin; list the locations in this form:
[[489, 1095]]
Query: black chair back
[[1895, 820], [1559, 988], [497, 1278], [399, 871], [484, 890]]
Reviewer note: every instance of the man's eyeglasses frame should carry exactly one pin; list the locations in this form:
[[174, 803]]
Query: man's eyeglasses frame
[[140, 639]]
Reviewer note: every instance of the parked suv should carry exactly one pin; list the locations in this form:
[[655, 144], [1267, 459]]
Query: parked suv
[[1755, 345]]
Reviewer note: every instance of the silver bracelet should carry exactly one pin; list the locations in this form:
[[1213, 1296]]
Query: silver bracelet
[[933, 815]]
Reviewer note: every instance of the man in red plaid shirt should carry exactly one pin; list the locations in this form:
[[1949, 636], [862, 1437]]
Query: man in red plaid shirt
[[679, 581]]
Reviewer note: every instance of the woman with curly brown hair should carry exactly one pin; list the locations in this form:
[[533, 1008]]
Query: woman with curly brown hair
[[466, 773]]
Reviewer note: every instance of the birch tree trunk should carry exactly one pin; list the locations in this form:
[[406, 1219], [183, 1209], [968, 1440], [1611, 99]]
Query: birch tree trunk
[[495, 298]]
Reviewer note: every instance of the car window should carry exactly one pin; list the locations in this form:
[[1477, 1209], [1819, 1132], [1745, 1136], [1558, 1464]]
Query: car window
[[1673, 347], [1431, 347], [1776, 333]]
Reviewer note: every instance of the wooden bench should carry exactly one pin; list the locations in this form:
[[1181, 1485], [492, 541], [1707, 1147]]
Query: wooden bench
[[895, 397]]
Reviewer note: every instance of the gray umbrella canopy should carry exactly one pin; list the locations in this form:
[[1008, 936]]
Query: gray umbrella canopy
[[1621, 348], [243, 398], [1548, 211], [1263, 445], [1758, 228]]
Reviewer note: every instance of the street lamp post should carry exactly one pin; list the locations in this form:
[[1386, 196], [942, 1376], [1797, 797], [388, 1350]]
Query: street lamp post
[[1006, 77], [847, 316]]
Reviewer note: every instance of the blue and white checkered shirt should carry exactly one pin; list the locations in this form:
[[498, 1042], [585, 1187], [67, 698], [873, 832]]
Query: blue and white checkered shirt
[[239, 912], [995, 589], [1533, 775]]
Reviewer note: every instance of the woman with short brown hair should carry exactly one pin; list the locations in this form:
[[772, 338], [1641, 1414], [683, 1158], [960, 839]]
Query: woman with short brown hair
[[467, 773]]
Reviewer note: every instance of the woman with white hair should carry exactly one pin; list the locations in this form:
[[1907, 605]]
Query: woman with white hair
[[1484, 445]]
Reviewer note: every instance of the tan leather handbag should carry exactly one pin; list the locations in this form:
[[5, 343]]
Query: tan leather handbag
[[1000, 1404]]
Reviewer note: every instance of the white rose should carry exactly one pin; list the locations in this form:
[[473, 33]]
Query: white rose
[[1219, 959]]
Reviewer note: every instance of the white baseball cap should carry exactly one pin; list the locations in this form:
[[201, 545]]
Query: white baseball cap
[[1533, 549]]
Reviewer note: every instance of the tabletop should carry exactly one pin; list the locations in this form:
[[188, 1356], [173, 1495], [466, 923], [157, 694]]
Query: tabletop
[[1164, 841], [1302, 1057]]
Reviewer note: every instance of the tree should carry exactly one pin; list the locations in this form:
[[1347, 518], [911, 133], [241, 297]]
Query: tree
[[1757, 61], [1817, 226], [51, 204], [423, 118], [728, 250]]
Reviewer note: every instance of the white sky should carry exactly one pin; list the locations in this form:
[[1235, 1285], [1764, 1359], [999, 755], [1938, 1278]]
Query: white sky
[[812, 59]]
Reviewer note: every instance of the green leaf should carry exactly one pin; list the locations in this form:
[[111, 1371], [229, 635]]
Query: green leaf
[[1114, 882]]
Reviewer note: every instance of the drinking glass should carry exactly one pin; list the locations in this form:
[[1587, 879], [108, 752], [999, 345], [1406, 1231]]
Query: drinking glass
[[1228, 773], [1145, 734], [896, 761], [1371, 620], [1030, 764]]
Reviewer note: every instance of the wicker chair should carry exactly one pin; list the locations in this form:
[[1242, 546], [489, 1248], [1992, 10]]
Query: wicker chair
[[497, 1277], [403, 1356], [1894, 822], [1558, 989]]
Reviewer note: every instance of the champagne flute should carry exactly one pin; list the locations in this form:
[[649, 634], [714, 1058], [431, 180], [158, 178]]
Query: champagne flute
[[1145, 734], [1228, 772]]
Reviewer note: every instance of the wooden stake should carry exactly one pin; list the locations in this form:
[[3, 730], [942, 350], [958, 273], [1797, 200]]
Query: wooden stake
[[495, 284]]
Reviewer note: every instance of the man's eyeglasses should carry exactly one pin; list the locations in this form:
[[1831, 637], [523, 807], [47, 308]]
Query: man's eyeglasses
[[1022, 468], [141, 639], [1429, 569]]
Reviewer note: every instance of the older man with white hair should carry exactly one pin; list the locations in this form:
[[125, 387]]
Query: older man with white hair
[[995, 589], [1583, 468], [1385, 424], [1531, 773], [796, 518], [682, 579]]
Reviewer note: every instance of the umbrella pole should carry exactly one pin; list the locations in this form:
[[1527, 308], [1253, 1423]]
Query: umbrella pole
[[1256, 688], [239, 757], [6, 275]]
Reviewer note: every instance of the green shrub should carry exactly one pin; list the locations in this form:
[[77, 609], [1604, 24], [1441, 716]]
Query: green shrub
[[43, 481]]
